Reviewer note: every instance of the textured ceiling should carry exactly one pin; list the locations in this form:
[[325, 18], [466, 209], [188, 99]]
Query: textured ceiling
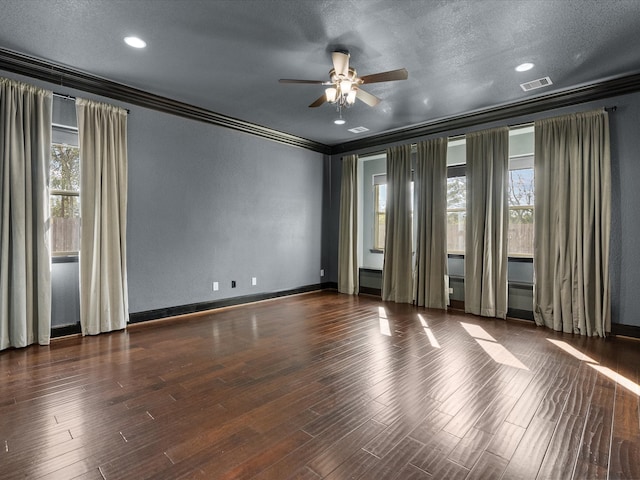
[[227, 56]]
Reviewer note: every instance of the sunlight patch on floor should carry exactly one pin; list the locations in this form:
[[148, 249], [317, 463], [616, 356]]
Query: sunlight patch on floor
[[495, 350], [572, 351], [385, 328], [619, 379], [500, 354], [432, 338], [606, 371], [476, 331]]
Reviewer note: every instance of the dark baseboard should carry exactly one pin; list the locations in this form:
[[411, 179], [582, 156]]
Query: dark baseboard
[[157, 314], [329, 286], [65, 330], [625, 330], [511, 313]]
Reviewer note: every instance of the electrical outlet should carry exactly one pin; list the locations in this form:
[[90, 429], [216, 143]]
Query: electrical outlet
[[215, 286], [322, 272], [233, 284], [254, 281]]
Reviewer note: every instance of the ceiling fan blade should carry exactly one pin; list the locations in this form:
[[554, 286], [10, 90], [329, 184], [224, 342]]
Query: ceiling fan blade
[[340, 63], [367, 98], [390, 76], [308, 82], [319, 101]]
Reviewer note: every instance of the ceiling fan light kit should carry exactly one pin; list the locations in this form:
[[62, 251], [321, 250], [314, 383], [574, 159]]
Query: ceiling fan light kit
[[344, 84]]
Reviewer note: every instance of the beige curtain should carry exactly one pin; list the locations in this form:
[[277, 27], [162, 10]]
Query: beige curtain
[[485, 262], [102, 132], [397, 278], [572, 223], [25, 271], [431, 211], [348, 234]]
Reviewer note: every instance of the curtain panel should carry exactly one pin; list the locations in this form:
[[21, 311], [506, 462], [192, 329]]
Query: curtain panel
[[25, 283], [572, 223], [431, 211], [348, 233], [485, 263], [102, 133], [397, 277]]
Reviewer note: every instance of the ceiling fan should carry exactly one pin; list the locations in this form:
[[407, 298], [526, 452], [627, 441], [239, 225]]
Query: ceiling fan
[[344, 84]]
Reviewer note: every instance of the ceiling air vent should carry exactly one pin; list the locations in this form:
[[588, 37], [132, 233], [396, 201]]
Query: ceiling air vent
[[359, 130], [539, 83]]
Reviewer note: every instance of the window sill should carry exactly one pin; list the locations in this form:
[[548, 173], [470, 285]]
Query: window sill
[[376, 250], [370, 270], [520, 259], [65, 259], [510, 258]]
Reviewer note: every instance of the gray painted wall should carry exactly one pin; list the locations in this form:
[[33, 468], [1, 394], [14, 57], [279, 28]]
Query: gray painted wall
[[207, 204], [210, 204], [625, 221]]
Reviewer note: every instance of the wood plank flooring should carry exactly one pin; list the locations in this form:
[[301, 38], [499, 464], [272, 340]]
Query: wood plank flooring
[[327, 386]]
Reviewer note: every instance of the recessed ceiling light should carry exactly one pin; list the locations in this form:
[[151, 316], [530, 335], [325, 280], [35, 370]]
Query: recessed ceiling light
[[524, 67], [339, 121], [135, 42]]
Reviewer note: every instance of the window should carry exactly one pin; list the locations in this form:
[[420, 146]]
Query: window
[[456, 195], [456, 212], [520, 195], [520, 192], [64, 191], [379, 208]]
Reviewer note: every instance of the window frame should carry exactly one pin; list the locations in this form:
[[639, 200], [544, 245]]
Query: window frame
[[526, 162], [378, 180], [454, 171], [64, 136], [382, 180]]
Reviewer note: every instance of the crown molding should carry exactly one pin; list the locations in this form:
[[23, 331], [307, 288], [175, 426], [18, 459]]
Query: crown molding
[[565, 98], [68, 77]]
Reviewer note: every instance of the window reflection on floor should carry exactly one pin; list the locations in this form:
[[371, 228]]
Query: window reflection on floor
[[495, 350], [432, 338], [607, 372], [385, 328]]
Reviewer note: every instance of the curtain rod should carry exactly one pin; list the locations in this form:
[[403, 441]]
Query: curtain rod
[[64, 96], [453, 138]]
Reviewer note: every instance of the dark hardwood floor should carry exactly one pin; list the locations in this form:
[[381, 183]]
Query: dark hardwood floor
[[323, 386]]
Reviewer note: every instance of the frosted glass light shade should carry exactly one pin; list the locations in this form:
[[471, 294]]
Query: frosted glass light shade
[[331, 94]]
